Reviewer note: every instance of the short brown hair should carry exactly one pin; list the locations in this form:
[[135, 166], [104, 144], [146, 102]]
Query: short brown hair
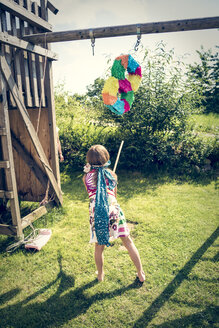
[[97, 155]]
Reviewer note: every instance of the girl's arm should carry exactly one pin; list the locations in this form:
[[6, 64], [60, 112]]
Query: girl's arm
[[116, 178], [115, 190], [84, 181]]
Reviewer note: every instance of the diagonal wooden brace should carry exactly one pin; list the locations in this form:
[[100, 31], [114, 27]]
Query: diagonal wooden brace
[[30, 128]]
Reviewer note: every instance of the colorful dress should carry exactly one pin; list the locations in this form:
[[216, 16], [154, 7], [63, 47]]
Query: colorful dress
[[117, 221]]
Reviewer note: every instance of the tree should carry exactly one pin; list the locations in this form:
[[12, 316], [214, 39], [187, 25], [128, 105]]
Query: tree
[[205, 76]]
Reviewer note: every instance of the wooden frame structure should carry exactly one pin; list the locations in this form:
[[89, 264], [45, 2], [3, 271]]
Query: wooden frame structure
[[29, 165]]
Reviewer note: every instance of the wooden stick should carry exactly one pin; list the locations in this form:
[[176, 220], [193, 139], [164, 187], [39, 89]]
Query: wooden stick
[[117, 158]]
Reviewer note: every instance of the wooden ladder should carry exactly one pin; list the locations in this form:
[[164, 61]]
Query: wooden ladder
[[7, 164]]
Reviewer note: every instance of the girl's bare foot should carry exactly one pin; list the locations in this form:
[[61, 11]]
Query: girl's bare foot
[[100, 277], [141, 276]]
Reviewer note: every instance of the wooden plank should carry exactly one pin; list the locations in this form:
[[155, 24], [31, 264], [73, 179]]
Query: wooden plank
[[8, 155], [44, 12], [35, 140], [26, 77], [6, 50], [28, 219], [16, 53], [123, 30], [40, 68], [52, 8], [24, 14], [25, 72], [6, 194], [28, 5], [28, 185], [4, 164], [3, 132], [35, 8], [24, 45], [52, 121], [8, 230], [33, 79], [32, 69], [29, 160], [39, 119]]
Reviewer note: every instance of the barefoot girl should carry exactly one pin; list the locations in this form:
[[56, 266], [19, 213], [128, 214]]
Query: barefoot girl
[[107, 221]]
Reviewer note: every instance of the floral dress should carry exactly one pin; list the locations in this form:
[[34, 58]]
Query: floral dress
[[117, 221]]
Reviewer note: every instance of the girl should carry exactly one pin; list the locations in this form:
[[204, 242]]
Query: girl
[[107, 220]]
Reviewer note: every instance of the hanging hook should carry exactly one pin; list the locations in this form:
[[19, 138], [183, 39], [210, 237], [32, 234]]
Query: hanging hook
[[91, 34], [138, 38]]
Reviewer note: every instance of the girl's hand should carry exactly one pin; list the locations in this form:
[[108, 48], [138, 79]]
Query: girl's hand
[[87, 168]]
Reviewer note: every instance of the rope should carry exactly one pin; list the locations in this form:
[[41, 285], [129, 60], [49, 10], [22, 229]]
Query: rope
[[45, 199], [11, 248], [44, 72]]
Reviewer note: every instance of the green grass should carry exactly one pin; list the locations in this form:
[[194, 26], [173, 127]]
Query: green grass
[[175, 230], [208, 123]]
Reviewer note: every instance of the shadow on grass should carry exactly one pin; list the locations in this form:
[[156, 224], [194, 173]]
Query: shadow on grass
[[209, 315], [199, 319], [67, 304], [59, 308]]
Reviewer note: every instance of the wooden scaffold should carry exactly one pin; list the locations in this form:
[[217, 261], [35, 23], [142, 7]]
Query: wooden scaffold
[[29, 166]]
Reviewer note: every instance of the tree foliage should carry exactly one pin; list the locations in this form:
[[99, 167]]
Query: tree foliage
[[205, 76]]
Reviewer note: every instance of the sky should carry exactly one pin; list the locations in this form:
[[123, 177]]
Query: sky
[[77, 67]]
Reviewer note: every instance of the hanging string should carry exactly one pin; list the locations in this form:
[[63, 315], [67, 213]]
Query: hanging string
[[138, 38]]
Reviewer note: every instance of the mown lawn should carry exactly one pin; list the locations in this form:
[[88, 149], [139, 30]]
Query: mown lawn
[[174, 225], [208, 123]]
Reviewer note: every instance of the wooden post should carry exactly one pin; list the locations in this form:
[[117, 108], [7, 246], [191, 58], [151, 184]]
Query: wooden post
[[8, 156]]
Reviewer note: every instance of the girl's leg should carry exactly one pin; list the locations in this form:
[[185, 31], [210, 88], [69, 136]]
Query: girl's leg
[[134, 255], [99, 260]]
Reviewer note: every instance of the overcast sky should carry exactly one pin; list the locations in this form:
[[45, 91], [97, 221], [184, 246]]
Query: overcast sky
[[77, 67]]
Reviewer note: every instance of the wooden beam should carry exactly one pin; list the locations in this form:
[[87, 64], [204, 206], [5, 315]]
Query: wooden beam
[[30, 128], [24, 45], [6, 194], [52, 8], [9, 230], [33, 216], [52, 121], [22, 13], [3, 132], [7, 154], [4, 164], [122, 30]]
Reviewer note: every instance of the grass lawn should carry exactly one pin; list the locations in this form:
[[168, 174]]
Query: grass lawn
[[174, 226], [208, 123]]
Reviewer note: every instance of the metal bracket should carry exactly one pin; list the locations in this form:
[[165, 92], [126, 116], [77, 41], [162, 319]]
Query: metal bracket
[[138, 37], [91, 34]]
